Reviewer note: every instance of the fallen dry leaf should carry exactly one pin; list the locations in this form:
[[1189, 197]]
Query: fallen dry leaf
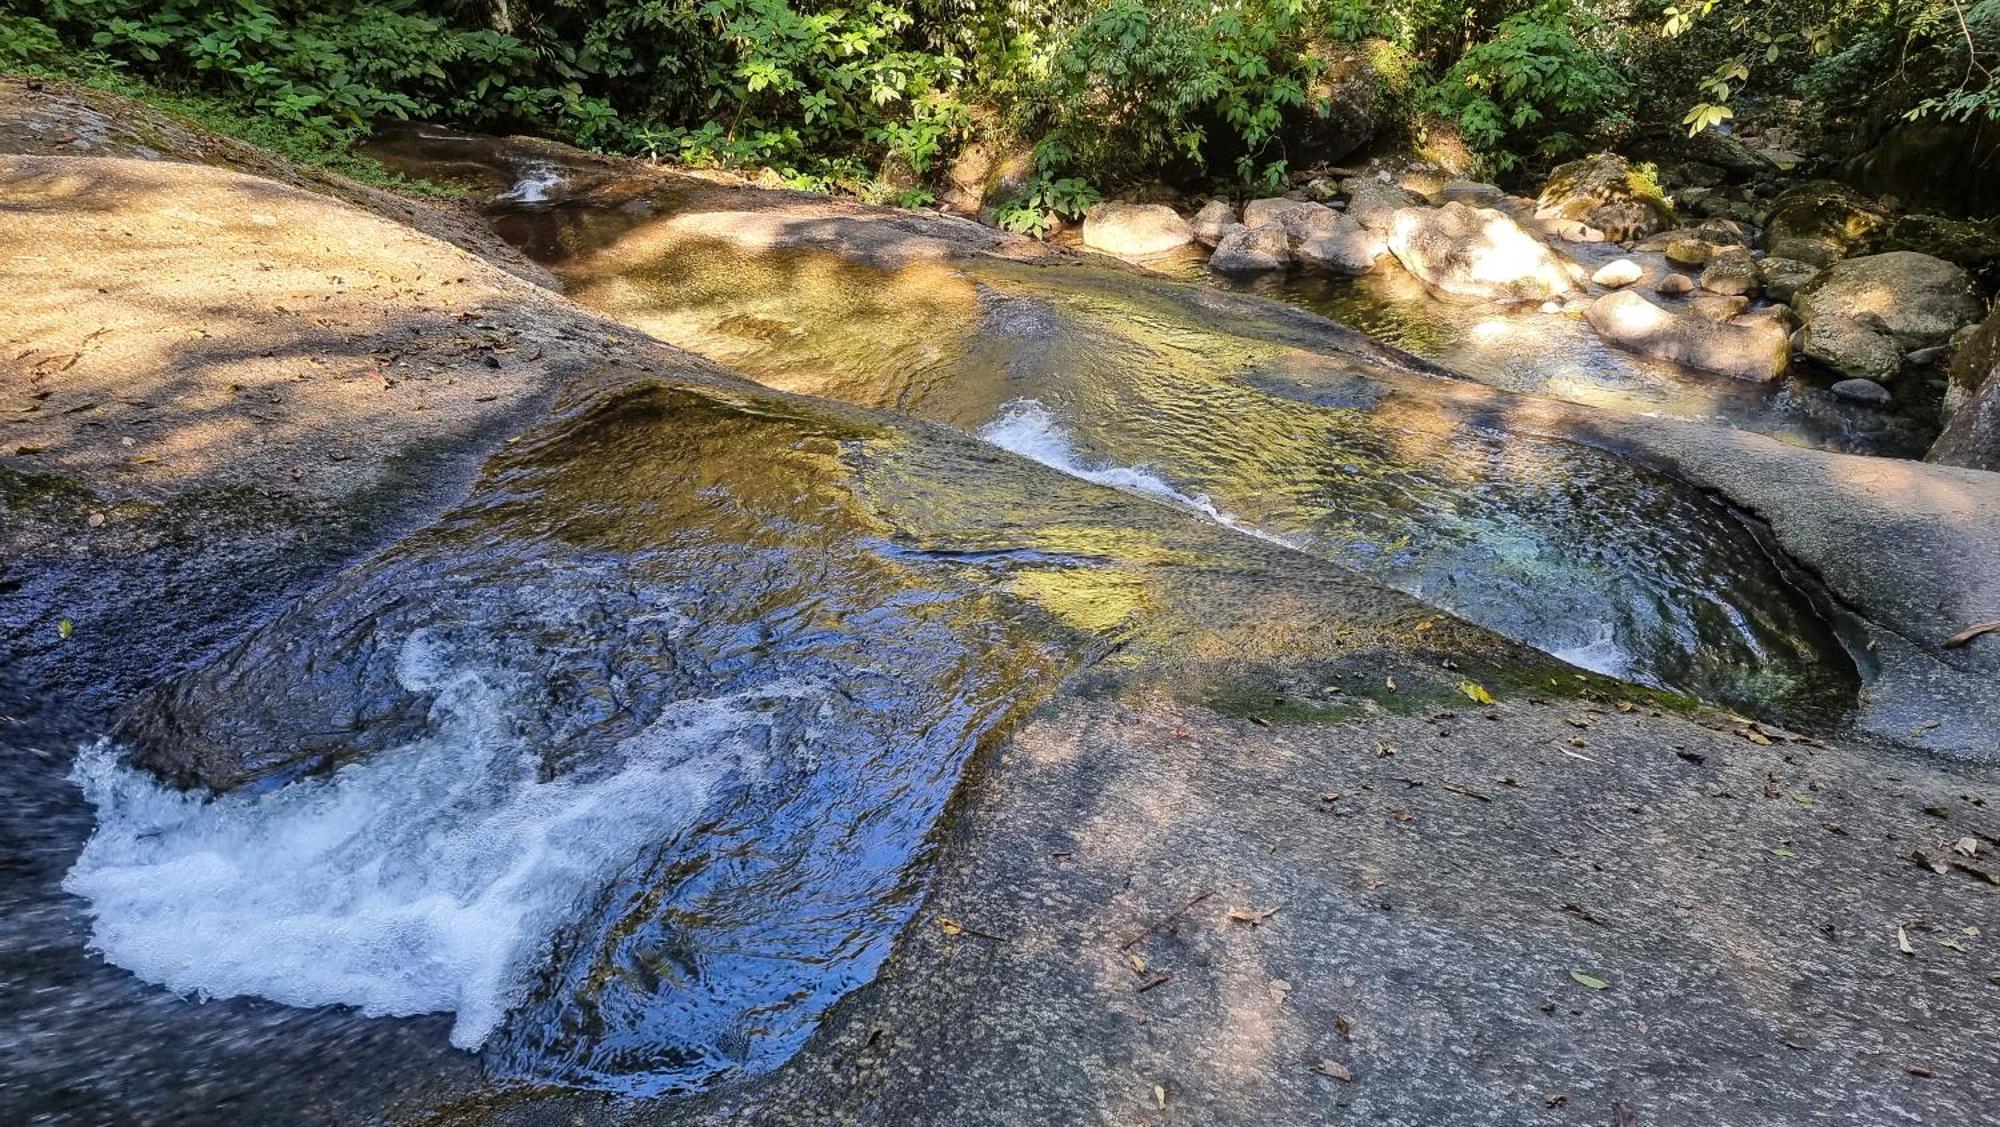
[[1903, 942], [1330, 1067], [1969, 633], [1252, 916]]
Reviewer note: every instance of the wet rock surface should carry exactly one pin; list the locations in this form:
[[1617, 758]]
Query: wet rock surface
[[1130, 902]]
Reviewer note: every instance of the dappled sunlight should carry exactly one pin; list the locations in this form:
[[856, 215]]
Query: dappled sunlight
[[157, 341]]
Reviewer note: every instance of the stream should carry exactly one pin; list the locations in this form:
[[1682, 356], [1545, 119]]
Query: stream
[[624, 771]]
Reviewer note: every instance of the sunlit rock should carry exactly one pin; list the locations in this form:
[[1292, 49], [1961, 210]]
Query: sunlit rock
[[1746, 351], [1478, 253], [1605, 193], [1903, 300], [1822, 221], [1617, 273], [1212, 221], [1135, 230]]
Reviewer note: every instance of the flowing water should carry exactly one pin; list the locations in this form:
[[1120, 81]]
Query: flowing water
[[626, 769], [1155, 387], [1561, 357]]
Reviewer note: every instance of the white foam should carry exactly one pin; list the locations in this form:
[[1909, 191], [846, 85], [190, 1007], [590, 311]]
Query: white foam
[[1028, 428], [533, 186], [427, 879], [1601, 654]]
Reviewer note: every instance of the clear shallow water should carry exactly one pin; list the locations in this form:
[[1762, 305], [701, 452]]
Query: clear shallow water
[[1558, 355], [1224, 407], [624, 771], [635, 755]]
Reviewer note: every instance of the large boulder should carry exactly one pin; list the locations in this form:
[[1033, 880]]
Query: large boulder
[[1971, 411], [1863, 314], [1605, 193], [1374, 203], [1822, 221], [1474, 252], [1931, 165], [1756, 351], [1252, 250], [1348, 248], [1971, 243], [1135, 230], [1259, 213]]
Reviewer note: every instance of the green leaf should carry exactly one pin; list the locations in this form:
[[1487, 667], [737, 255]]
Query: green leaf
[[1475, 692], [1589, 980]]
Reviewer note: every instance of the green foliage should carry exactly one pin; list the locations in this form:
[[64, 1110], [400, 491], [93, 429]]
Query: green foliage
[[828, 93], [1144, 86], [26, 41], [1044, 201], [1535, 86]]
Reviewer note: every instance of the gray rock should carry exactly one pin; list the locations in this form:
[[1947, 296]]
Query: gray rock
[[1252, 250], [1730, 272], [1862, 314], [1851, 348], [1471, 192], [1135, 230], [1479, 253], [1603, 193], [1313, 220], [1214, 218], [1971, 409], [1374, 204], [1758, 352], [1258, 213], [1782, 277], [1917, 299], [1862, 391], [1350, 249]]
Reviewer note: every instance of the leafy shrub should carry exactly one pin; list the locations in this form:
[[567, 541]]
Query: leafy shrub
[[1146, 86], [1535, 86], [1044, 201]]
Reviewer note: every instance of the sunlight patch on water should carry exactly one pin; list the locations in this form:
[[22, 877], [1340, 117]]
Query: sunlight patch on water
[[426, 880]]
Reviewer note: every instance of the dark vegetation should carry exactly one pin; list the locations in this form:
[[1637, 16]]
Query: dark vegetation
[[879, 96]]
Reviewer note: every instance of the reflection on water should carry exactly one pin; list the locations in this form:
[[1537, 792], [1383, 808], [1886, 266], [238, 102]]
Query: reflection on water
[[661, 725], [1131, 382], [1559, 355]]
